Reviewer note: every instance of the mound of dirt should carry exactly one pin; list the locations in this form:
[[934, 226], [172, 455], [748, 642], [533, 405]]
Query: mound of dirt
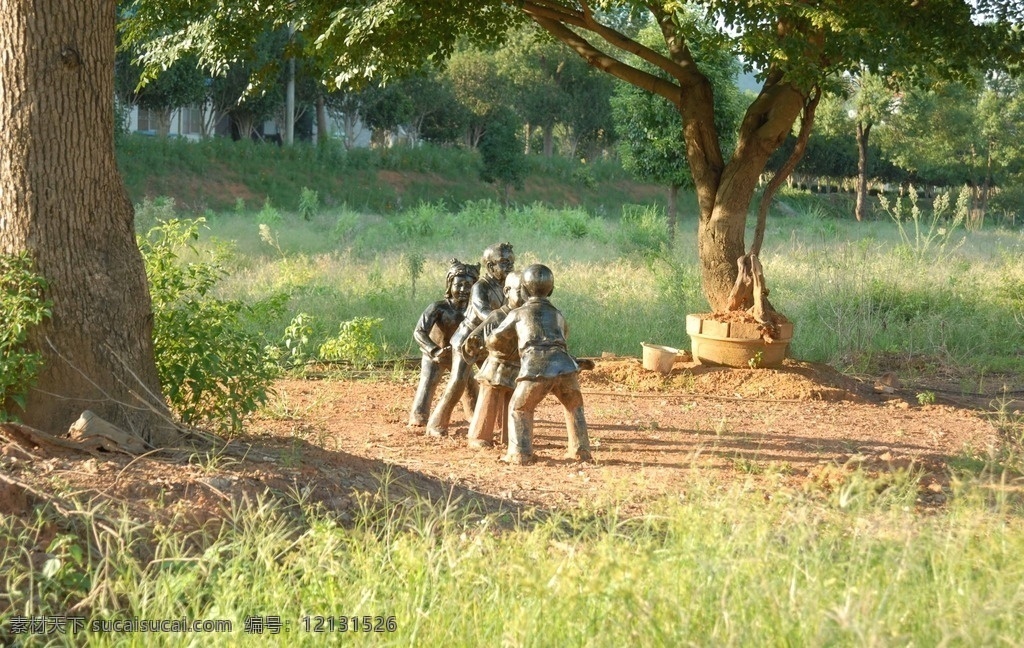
[[793, 381]]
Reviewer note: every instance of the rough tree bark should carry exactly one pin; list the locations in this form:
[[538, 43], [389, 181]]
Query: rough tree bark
[[62, 199]]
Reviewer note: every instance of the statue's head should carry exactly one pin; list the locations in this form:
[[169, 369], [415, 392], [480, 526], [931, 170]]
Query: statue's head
[[459, 282], [513, 290], [538, 281], [499, 260]]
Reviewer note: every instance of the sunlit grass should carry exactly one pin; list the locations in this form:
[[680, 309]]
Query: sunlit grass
[[714, 565], [856, 295]]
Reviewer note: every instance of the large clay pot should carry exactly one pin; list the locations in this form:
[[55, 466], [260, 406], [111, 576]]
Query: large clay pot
[[735, 344]]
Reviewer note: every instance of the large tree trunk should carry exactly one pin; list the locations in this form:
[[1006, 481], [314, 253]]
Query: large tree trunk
[[863, 131], [62, 199], [724, 197]]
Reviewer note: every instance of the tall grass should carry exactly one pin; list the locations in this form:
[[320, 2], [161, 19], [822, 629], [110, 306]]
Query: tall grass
[[859, 295], [713, 566]]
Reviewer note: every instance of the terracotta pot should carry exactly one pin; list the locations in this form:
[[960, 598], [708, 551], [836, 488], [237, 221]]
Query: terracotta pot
[[735, 344]]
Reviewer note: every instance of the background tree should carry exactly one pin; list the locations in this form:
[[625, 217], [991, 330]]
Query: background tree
[[386, 109], [796, 46], [64, 203], [959, 133], [501, 154], [871, 103], [478, 85], [532, 65], [183, 84], [587, 115]]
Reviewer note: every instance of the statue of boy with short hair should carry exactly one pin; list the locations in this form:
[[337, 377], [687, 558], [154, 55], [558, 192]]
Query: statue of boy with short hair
[[433, 334], [539, 330], [497, 376]]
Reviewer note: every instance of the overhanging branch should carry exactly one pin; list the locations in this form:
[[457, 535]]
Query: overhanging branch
[[606, 63]]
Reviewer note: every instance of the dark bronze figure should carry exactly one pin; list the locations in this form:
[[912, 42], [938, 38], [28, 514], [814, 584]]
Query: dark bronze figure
[[434, 331], [497, 376], [539, 331], [488, 294]]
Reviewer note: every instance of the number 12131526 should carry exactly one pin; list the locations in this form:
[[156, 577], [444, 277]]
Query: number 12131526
[[319, 623]]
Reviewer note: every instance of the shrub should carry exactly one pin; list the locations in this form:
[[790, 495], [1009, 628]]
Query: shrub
[[210, 369], [309, 203], [355, 342], [23, 306], [643, 230]]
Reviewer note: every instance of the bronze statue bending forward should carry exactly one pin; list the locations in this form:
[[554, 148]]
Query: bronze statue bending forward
[[539, 330], [497, 376]]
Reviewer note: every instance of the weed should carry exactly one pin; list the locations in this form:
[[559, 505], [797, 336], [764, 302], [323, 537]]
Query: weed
[[309, 204], [414, 262], [355, 342], [23, 307], [210, 368], [269, 214], [930, 235]]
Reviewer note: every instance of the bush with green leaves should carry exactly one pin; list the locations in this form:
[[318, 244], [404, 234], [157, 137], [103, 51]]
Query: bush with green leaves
[[309, 203], [210, 368], [643, 230], [23, 306], [355, 342]]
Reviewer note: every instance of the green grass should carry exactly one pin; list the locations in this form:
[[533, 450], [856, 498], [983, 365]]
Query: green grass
[[848, 566], [859, 296], [847, 561]]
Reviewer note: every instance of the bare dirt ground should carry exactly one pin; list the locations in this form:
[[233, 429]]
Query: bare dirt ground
[[330, 441]]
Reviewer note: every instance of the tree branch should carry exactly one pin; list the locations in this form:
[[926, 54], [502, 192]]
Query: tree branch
[[806, 122], [606, 63], [539, 10]]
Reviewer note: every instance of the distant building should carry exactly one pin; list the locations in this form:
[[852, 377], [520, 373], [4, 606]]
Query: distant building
[[194, 123]]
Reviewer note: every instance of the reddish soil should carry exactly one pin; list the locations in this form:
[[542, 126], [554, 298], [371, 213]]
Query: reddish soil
[[329, 441]]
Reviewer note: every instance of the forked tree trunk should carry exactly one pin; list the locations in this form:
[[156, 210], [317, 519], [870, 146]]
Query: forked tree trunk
[[62, 199]]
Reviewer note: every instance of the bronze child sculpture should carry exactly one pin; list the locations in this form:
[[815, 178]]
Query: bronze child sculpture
[[539, 331], [488, 293], [497, 376], [433, 334]]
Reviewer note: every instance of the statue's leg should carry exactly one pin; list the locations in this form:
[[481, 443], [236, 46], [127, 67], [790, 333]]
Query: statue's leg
[[430, 375], [442, 414], [525, 398], [471, 393], [488, 408], [503, 415], [567, 390]]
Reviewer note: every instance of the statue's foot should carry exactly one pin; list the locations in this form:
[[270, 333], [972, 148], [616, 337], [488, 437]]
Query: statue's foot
[[436, 431], [518, 459], [583, 456], [480, 443]]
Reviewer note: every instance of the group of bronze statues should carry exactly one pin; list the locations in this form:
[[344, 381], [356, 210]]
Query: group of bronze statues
[[505, 324]]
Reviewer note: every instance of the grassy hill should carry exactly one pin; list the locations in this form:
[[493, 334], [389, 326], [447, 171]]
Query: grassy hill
[[217, 174]]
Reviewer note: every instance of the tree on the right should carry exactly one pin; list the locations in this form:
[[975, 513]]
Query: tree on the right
[[794, 48]]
